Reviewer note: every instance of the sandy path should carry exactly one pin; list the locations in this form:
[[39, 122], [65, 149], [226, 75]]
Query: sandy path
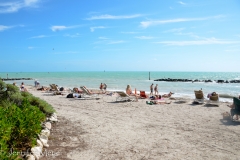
[[104, 129]]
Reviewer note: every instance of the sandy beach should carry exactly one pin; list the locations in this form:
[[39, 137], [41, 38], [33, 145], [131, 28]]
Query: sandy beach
[[104, 129]]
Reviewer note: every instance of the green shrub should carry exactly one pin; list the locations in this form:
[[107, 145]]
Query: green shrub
[[41, 104], [21, 115], [20, 125]]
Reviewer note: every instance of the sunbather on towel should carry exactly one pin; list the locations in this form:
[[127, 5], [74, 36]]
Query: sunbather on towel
[[167, 95], [156, 97], [130, 93], [158, 102], [42, 89]]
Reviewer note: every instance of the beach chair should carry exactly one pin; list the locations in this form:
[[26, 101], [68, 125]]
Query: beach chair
[[51, 90], [56, 91], [214, 100], [143, 94], [199, 97], [124, 97], [236, 110], [87, 94]]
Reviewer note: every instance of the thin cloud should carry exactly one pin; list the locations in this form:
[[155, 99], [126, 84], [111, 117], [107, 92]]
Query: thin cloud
[[198, 42], [107, 16], [103, 38], [92, 29], [174, 30], [116, 42], [130, 32], [60, 28], [30, 47], [146, 24], [3, 28], [144, 37], [40, 36], [182, 3], [11, 7], [72, 35]]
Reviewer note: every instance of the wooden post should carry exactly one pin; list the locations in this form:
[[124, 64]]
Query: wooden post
[[149, 75]]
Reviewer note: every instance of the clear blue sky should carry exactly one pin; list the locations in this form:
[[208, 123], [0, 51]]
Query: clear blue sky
[[119, 35]]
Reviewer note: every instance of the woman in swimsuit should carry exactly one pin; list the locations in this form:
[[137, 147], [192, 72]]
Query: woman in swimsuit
[[23, 88], [129, 92]]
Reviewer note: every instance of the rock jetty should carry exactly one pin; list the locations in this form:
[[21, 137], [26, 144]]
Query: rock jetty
[[196, 80]]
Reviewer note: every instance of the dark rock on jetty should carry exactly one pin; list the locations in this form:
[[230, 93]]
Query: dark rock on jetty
[[14, 79], [196, 80]]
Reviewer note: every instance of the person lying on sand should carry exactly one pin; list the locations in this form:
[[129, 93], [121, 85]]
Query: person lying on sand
[[167, 95], [156, 97], [158, 102], [42, 89]]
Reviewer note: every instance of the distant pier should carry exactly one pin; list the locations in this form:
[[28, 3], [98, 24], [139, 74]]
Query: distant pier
[[196, 80], [15, 79]]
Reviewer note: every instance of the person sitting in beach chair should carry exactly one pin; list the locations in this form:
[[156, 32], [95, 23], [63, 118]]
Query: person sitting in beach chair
[[213, 98], [130, 93], [235, 107], [211, 94], [167, 95]]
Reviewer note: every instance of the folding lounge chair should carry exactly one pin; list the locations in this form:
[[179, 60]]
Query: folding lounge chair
[[235, 110], [143, 94], [124, 97], [52, 89], [87, 94], [199, 96], [56, 91], [213, 100]]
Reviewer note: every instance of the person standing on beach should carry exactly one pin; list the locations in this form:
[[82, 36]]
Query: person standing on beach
[[151, 89], [105, 87], [101, 87], [156, 89]]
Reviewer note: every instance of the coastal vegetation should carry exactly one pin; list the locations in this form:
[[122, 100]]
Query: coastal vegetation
[[21, 116]]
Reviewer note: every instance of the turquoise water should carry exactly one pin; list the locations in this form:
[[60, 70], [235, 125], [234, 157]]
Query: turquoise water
[[138, 80]]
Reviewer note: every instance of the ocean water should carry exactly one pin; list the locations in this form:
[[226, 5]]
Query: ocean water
[[139, 80]]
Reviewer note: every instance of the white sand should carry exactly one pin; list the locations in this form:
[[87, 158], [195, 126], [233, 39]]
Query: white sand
[[135, 130]]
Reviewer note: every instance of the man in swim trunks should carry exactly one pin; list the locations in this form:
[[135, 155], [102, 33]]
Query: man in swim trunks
[[151, 89]]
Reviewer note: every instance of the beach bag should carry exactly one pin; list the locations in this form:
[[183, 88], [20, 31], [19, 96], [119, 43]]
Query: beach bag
[[61, 89], [226, 116], [70, 95]]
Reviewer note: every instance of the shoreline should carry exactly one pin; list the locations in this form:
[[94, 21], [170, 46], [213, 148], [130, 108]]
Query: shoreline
[[134, 130]]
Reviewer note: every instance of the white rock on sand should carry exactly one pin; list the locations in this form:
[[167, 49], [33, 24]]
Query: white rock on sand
[[135, 130]]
